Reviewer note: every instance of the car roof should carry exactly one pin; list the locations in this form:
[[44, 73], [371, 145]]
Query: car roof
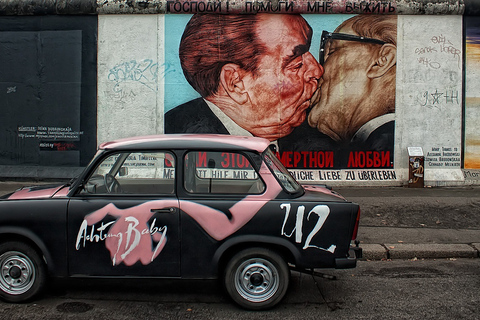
[[188, 141]]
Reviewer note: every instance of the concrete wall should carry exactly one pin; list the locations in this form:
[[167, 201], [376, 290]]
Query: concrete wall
[[48, 95], [429, 93], [139, 78], [130, 90]]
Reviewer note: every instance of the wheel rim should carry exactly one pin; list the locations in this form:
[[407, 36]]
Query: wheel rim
[[17, 273], [256, 280]]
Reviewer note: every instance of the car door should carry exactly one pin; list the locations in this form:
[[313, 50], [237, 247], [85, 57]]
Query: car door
[[124, 220], [222, 193]]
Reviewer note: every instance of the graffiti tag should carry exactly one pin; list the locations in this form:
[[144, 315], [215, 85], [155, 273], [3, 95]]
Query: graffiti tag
[[127, 240], [433, 99], [145, 72], [441, 45], [321, 211]]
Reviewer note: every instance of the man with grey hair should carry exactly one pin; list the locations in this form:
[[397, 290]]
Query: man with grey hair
[[355, 100], [254, 73]]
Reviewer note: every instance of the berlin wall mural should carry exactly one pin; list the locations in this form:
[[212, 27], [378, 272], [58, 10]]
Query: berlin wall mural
[[472, 93], [321, 88]]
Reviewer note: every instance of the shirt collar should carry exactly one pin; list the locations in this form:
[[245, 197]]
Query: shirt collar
[[230, 125]]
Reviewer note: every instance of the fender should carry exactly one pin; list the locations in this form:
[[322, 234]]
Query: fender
[[25, 233], [257, 240]]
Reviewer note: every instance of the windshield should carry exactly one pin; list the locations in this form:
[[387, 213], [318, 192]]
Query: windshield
[[283, 176]]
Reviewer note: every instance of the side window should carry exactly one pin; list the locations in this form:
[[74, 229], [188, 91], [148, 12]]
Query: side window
[[221, 172], [134, 173]]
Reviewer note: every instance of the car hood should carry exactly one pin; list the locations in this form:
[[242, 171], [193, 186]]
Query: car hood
[[322, 193], [39, 192]]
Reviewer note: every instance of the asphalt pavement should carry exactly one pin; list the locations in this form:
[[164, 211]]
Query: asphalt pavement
[[404, 223]]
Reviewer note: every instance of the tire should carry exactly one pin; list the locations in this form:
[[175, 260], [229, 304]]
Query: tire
[[22, 272], [257, 278]]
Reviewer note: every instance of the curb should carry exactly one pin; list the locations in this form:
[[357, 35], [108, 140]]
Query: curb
[[420, 251]]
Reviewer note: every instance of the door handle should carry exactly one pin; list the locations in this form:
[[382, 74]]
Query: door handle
[[163, 210]]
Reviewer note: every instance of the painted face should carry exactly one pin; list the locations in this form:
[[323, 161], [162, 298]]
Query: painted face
[[343, 88], [279, 93]]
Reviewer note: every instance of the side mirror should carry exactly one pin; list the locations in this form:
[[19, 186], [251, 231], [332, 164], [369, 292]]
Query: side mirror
[[90, 188], [123, 172]]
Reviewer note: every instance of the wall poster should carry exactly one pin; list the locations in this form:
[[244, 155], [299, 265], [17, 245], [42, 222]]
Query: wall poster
[[320, 87], [48, 90]]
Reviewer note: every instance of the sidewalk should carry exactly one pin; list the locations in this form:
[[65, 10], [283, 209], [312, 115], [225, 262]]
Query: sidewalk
[[410, 223], [405, 223]]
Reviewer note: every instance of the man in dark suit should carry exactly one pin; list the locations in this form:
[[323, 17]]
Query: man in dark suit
[[355, 100], [193, 117], [254, 73]]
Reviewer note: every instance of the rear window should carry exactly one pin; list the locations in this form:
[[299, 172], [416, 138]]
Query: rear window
[[221, 173]]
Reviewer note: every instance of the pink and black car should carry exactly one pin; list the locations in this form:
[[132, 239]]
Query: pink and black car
[[177, 206]]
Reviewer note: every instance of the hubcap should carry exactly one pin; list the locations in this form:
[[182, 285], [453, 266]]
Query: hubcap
[[17, 273], [256, 280]]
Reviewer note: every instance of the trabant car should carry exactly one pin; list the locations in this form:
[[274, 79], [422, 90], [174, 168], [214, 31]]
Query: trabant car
[[177, 206]]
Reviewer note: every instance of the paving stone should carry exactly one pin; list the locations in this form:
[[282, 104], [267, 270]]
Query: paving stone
[[373, 252], [477, 247]]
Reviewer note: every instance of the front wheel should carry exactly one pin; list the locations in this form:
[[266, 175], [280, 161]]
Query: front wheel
[[22, 272], [257, 278]]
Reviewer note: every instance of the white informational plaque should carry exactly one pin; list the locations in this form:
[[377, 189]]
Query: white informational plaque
[[415, 152]]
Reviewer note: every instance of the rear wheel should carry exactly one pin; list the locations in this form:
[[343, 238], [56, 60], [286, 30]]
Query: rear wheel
[[257, 278], [22, 272]]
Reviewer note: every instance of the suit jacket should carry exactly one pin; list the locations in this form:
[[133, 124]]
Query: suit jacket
[[377, 134], [193, 117]]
